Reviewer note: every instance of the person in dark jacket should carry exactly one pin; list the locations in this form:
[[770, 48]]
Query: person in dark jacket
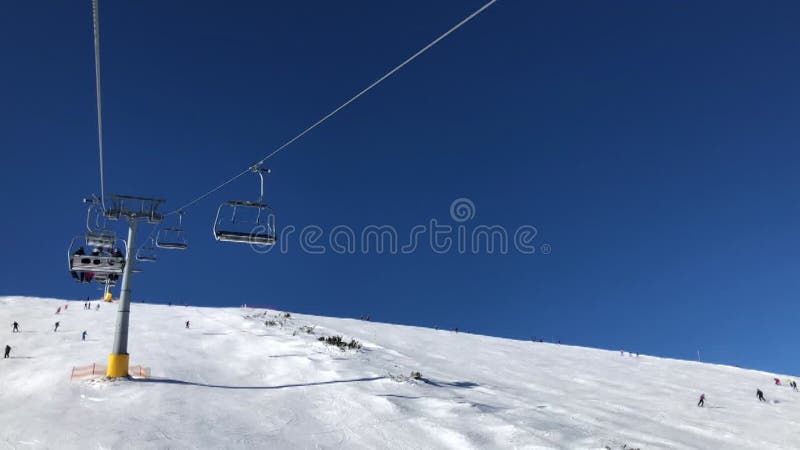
[[760, 395], [7, 354], [56, 327], [15, 327], [702, 400]]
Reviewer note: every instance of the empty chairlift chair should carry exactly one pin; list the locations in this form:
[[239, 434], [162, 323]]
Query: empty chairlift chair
[[172, 238], [248, 222], [147, 253], [98, 234]]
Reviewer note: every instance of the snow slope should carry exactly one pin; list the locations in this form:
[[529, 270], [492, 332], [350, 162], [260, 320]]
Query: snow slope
[[232, 382]]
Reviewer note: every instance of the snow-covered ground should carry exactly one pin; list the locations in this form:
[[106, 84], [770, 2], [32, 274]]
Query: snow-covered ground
[[232, 382]]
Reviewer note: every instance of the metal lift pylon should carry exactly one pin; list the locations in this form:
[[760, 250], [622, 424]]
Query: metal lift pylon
[[132, 209]]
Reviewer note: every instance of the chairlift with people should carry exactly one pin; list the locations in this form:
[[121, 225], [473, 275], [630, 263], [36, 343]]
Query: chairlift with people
[[101, 264], [99, 260]]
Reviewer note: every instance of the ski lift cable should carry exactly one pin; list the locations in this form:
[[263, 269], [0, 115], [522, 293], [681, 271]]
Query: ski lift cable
[[342, 106], [96, 32]]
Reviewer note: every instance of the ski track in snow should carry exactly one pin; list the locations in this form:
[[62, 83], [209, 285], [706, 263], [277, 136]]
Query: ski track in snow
[[232, 382]]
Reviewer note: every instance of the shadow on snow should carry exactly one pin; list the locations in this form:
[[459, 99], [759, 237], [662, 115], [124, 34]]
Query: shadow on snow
[[283, 386]]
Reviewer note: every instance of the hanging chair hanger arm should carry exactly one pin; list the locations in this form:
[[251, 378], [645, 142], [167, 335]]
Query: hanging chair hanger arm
[[260, 171]]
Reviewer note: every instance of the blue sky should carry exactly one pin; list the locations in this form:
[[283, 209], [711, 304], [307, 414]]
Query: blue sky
[[654, 145]]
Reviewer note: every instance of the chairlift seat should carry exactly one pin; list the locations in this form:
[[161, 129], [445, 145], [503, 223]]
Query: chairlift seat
[[97, 264], [241, 237], [240, 230], [248, 204], [172, 246]]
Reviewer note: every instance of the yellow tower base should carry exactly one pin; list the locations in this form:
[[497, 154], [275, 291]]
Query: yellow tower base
[[117, 365], [108, 297]]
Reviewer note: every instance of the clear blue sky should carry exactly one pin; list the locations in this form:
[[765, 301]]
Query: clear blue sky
[[653, 144]]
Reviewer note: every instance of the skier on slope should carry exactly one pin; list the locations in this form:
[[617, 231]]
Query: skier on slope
[[702, 401], [56, 327], [83, 335], [760, 395], [15, 327], [777, 381], [187, 324], [7, 354]]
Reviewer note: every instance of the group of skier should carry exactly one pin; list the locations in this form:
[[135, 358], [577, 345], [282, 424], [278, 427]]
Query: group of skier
[[15, 326], [759, 392], [14, 329]]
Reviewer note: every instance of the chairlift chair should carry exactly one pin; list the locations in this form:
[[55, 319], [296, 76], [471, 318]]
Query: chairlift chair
[[172, 238], [105, 279], [98, 234], [104, 262], [247, 222], [147, 253]]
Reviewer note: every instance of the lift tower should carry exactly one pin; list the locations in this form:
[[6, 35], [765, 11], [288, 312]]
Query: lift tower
[[132, 209]]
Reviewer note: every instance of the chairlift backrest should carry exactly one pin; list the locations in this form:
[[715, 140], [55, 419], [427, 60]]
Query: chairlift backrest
[[102, 239], [106, 278], [97, 264]]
